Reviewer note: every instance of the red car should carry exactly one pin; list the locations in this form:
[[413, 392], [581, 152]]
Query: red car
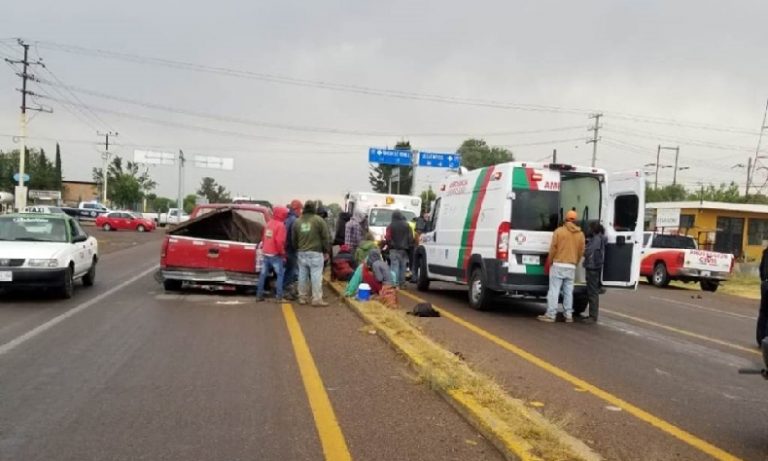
[[124, 220]]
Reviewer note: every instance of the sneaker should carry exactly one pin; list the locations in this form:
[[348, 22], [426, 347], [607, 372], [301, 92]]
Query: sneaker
[[569, 320], [320, 303], [589, 320], [302, 301], [279, 300], [545, 318], [584, 314]]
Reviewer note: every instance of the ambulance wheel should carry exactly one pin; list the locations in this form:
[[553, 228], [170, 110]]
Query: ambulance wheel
[[480, 297], [660, 275], [422, 278], [709, 285]]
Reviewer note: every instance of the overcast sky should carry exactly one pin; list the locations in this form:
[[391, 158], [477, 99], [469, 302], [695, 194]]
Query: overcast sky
[[659, 70]]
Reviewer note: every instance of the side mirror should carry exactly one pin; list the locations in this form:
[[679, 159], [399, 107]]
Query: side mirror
[[79, 238]]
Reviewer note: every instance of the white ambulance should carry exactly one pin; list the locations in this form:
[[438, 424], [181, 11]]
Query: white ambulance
[[380, 207], [491, 228]]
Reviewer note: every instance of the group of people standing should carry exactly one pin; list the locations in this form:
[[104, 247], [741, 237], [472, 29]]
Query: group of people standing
[[295, 245]]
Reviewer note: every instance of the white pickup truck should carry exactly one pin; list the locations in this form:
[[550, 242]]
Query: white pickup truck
[[173, 217]]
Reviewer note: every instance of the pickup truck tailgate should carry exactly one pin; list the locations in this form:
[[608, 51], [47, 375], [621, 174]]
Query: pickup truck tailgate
[[708, 261], [197, 253]]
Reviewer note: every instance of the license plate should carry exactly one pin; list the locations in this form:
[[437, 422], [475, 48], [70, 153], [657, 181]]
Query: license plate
[[6, 276], [706, 273], [531, 259]]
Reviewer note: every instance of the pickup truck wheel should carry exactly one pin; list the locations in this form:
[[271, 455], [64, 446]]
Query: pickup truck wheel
[[480, 297], [140, 228], [172, 285], [90, 278], [107, 227], [68, 287], [422, 279], [660, 275], [709, 285]]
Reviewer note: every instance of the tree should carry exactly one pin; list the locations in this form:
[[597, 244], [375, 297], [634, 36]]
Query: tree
[[380, 175], [476, 153], [215, 193], [41, 171], [670, 193], [723, 193], [159, 204], [189, 203], [127, 184], [57, 168], [427, 197]]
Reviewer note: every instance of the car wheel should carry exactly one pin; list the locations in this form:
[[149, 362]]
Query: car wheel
[[68, 287], [90, 278], [709, 285], [107, 227], [480, 297], [660, 275], [140, 228], [422, 278], [172, 285]]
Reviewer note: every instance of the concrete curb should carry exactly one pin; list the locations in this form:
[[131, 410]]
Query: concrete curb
[[489, 420]]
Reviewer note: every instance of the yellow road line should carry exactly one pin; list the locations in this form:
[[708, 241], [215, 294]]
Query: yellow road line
[[682, 332], [637, 412], [331, 437]]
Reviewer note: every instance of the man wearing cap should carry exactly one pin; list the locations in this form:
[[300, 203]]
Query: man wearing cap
[[565, 252], [291, 263]]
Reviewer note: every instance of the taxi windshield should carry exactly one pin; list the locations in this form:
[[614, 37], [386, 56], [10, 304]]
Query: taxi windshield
[[381, 217], [33, 229]]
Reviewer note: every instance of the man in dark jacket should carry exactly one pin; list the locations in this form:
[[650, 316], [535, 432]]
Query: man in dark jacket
[[341, 227], [594, 257], [762, 317], [291, 262], [400, 241]]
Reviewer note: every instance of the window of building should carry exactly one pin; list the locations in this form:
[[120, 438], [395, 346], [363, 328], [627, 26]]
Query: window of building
[[757, 231], [686, 221]]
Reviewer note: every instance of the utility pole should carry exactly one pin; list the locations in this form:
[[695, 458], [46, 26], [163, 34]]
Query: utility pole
[[180, 199], [554, 155], [105, 168], [753, 167], [674, 175], [595, 136], [658, 163], [21, 191]]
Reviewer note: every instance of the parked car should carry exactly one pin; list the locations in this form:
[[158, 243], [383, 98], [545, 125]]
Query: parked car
[[216, 247], [46, 251], [677, 257], [124, 220]]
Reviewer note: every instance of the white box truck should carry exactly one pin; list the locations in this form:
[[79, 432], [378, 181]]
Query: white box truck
[[491, 228], [379, 208]]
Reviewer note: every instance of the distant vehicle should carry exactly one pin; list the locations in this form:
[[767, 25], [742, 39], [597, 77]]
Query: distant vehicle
[[87, 211], [124, 220], [677, 257], [491, 228], [380, 207], [46, 251], [173, 217], [216, 247], [44, 209], [251, 201]]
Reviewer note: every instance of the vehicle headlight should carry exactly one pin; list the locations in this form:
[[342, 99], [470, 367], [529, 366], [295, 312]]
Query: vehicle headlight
[[43, 263]]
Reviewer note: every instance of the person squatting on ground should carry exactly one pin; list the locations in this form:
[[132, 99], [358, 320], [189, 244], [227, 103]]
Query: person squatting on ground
[[273, 253], [594, 258], [312, 241], [291, 262], [565, 252], [762, 317], [399, 238]]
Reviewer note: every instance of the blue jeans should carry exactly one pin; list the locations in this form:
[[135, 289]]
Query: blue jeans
[[560, 278], [311, 270], [398, 260], [269, 263]]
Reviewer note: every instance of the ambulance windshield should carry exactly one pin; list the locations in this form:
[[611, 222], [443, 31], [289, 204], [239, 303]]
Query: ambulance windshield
[[382, 217]]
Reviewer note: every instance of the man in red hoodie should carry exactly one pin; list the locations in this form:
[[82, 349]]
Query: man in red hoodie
[[273, 251]]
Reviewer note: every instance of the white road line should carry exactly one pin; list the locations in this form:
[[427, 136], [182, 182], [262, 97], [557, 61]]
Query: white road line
[[702, 308], [12, 344]]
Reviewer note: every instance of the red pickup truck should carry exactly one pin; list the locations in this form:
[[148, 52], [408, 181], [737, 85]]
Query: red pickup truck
[[677, 257], [216, 247]]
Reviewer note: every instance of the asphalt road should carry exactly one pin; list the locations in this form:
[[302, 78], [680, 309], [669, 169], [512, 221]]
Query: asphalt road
[[124, 371], [671, 353]]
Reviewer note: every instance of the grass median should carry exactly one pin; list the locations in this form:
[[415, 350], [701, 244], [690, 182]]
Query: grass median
[[742, 285], [517, 430]]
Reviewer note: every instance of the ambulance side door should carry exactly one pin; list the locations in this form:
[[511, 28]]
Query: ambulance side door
[[624, 208]]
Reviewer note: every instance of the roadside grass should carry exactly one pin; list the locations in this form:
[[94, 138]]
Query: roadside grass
[[743, 285], [511, 422]]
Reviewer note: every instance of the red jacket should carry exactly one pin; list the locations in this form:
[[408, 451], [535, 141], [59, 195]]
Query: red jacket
[[275, 233]]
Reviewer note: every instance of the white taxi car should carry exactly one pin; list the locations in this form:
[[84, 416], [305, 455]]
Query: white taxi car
[[46, 251]]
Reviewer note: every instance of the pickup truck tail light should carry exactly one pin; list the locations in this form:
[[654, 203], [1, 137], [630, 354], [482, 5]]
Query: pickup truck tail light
[[502, 241], [163, 252]]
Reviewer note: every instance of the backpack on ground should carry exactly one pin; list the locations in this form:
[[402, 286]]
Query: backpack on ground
[[424, 310]]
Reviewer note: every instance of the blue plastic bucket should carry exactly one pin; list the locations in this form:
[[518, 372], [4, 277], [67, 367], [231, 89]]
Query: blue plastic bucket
[[364, 292]]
